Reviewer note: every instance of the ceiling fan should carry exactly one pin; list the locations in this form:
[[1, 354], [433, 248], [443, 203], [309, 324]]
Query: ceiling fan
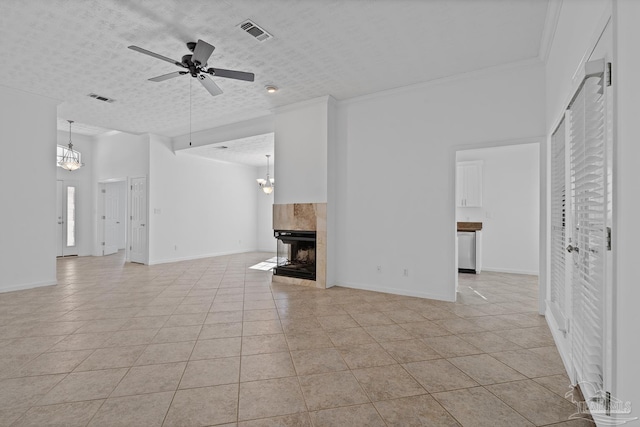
[[196, 65]]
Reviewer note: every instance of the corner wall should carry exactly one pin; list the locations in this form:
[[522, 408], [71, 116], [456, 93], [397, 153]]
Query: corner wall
[[395, 184], [28, 176]]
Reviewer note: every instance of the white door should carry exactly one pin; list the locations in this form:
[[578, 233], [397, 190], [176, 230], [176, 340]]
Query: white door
[[59, 221], [66, 231], [138, 220], [110, 223], [580, 297]]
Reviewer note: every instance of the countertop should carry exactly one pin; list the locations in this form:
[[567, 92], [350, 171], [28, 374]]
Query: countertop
[[469, 226]]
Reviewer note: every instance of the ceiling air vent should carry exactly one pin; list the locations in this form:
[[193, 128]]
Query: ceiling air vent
[[101, 98], [252, 28]]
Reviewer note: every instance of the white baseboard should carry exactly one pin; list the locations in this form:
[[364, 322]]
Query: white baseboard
[[25, 286], [395, 291], [510, 271], [190, 258]]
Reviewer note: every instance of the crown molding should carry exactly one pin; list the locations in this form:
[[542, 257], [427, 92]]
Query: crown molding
[[549, 31], [526, 63]]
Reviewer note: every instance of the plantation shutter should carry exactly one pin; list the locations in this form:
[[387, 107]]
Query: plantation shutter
[[558, 283], [589, 235]]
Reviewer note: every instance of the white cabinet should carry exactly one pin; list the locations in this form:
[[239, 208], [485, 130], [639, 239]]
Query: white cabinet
[[469, 184]]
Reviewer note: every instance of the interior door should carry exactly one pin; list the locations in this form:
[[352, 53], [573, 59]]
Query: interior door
[[110, 217], [138, 220]]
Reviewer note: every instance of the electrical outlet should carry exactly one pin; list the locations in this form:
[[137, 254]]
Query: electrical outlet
[[379, 269], [175, 248], [405, 273]]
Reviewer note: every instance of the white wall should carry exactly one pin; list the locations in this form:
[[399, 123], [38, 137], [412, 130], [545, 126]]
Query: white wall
[[28, 176], [396, 173], [301, 132], [627, 205], [510, 207], [264, 214], [201, 206], [85, 190], [120, 155]]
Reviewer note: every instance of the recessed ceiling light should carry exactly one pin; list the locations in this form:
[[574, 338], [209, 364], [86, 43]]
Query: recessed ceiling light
[[271, 89]]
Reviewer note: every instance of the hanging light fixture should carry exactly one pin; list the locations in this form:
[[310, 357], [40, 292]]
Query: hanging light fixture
[[266, 184], [71, 159]]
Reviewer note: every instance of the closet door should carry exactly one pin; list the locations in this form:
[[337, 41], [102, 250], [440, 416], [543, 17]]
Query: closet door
[[588, 250]]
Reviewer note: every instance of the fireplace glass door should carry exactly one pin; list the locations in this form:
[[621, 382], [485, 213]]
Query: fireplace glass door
[[296, 254]]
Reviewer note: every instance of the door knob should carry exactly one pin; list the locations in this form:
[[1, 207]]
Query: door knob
[[573, 249]]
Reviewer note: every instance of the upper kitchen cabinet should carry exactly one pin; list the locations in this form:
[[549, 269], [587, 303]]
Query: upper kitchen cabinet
[[469, 184]]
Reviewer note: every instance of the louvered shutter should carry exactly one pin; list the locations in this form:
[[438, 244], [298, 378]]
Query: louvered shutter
[[589, 204], [558, 283]]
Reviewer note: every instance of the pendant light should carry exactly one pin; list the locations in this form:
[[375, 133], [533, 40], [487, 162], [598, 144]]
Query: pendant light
[[71, 159], [266, 184]]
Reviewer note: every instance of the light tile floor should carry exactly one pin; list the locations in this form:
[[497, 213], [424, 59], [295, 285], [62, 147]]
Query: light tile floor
[[212, 342]]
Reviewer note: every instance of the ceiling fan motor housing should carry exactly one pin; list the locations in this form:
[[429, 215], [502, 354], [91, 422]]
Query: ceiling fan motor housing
[[194, 70]]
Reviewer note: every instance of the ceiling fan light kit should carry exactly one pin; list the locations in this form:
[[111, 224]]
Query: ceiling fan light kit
[[195, 64]]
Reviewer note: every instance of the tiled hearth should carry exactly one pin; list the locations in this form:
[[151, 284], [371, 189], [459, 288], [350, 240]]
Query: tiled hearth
[[305, 217]]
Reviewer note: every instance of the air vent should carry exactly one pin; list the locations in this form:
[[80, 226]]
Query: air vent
[[101, 98], [252, 28]]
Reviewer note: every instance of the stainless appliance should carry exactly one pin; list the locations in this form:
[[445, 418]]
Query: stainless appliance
[[467, 251]]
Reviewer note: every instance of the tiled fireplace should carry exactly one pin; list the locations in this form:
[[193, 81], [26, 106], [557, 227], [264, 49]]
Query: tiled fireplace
[[301, 230]]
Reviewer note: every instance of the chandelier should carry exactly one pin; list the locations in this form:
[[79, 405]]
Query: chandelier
[[70, 159], [266, 184]]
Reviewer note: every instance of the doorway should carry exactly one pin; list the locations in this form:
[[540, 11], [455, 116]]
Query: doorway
[[499, 203], [66, 218]]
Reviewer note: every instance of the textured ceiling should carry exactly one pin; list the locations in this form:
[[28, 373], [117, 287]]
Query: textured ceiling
[[80, 128], [249, 151], [66, 49]]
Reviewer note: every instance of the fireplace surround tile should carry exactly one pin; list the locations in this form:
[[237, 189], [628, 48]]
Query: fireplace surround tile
[[305, 217]]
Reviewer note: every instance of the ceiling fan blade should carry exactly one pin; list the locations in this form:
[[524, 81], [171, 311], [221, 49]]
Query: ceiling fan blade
[[202, 52], [209, 85], [168, 76], [231, 74], [155, 55]]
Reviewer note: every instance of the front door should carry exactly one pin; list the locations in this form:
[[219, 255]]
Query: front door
[[66, 231], [138, 220]]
